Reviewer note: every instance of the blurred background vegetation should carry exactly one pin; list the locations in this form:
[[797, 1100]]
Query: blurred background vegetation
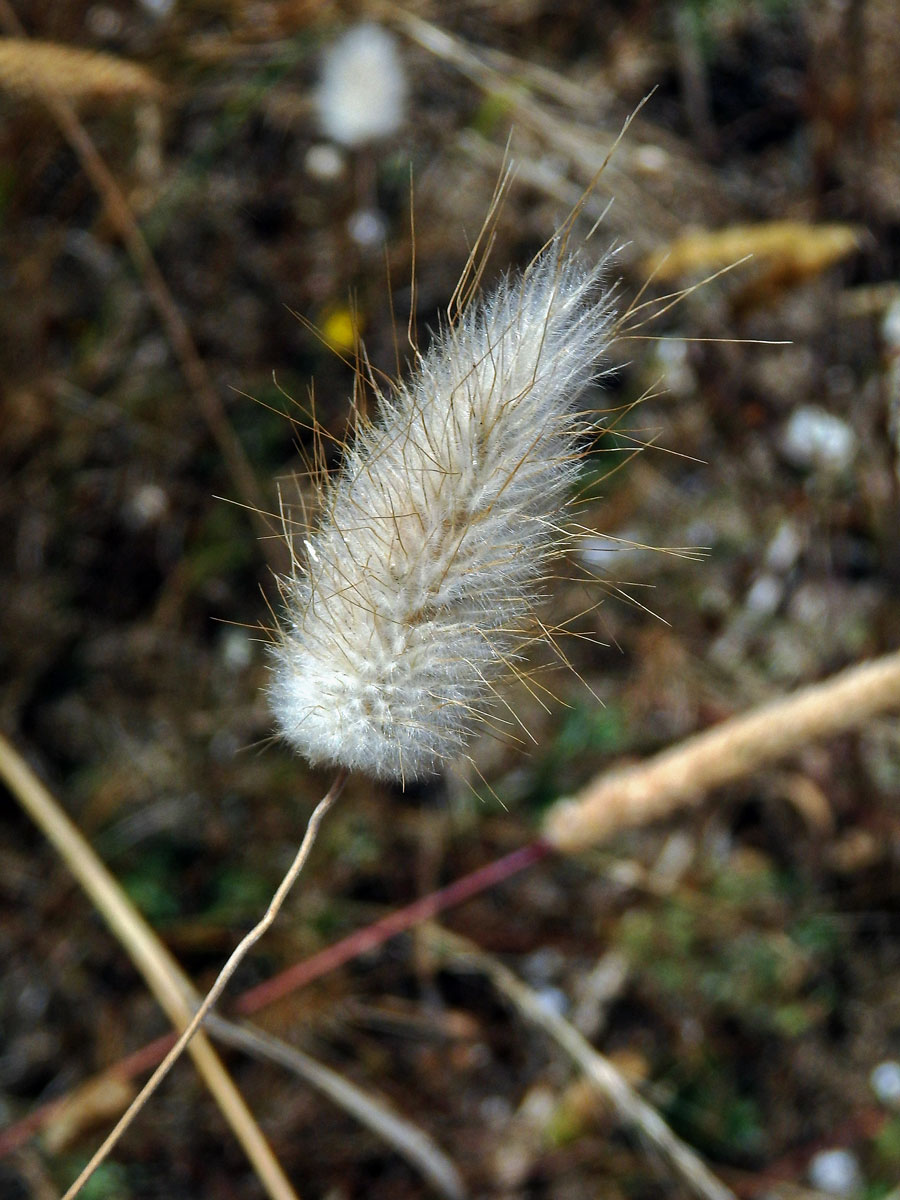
[[741, 965]]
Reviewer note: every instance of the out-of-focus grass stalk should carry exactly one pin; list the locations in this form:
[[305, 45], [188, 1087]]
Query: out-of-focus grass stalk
[[164, 977], [736, 748]]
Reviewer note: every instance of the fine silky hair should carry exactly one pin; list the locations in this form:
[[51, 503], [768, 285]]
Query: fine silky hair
[[418, 590]]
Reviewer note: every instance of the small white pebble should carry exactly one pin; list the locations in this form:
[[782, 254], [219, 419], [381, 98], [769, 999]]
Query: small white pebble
[[673, 356], [885, 1081], [362, 93], [158, 8], [542, 965], [236, 649], [835, 1172], [325, 162], [553, 1000], [651, 160], [146, 505], [103, 21], [367, 227], [764, 595], [816, 440], [809, 605], [538, 1107], [785, 547]]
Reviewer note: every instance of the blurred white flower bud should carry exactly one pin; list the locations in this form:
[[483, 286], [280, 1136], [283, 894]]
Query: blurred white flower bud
[[361, 96]]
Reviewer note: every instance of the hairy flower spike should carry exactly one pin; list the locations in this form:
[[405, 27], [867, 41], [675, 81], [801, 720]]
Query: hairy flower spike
[[419, 587]]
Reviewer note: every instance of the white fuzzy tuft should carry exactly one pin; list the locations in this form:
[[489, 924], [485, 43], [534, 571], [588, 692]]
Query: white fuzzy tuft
[[361, 96], [419, 585]]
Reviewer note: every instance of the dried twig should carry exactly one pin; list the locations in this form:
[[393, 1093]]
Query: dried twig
[[178, 997], [407, 1139], [630, 1108], [162, 974], [737, 747], [237, 956], [291, 980], [401, 920]]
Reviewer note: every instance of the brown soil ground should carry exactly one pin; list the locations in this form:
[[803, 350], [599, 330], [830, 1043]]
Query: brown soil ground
[[740, 964]]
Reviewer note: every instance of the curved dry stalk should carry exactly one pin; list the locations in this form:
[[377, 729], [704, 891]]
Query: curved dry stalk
[[407, 1139], [401, 920], [629, 1107], [293, 978], [237, 956], [731, 750], [164, 977], [179, 999]]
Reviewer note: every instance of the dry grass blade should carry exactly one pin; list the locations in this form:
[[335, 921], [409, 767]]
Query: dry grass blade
[[35, 70], [190, 1030], [630, 1108], [728, 751], [585, 145], [373, 1112], [105, 1095], [799, 247], [163, 975]]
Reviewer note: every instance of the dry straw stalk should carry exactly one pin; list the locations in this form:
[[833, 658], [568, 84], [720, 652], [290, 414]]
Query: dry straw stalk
[[737, 747], [32, 69], [164, 977]]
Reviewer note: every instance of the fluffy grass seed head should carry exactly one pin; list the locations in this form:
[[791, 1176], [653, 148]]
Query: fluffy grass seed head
[[361, 95], [418, 589]]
